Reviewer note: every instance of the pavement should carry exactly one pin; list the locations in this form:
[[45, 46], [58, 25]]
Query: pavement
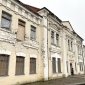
[[71, 80]]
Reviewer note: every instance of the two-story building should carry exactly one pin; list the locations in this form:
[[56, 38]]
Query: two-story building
[[36, 45]]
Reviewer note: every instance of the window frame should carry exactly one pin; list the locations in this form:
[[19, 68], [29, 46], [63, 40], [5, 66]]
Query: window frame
[[8, 17], [17, 74], [33, 33], [59, 64], [52, 37], [33, 71], [7, 64], [53, 65], [57, 39]]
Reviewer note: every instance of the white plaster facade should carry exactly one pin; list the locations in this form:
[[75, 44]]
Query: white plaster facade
[[41, 49]]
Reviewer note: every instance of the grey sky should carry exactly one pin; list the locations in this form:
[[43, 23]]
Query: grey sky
[[66, 10]]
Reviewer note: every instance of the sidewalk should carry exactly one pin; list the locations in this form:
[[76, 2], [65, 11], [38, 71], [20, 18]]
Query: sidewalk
[[71, 80]]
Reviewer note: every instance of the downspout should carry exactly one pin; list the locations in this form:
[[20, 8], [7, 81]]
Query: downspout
[[47, 46]]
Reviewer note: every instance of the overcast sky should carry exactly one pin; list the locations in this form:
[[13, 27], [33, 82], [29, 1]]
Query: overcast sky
[[66, 10]]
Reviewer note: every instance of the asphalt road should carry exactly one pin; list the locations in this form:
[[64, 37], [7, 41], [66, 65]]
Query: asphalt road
[[72, 80]]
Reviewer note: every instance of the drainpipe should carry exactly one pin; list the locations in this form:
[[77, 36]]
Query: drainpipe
[[47, 46]]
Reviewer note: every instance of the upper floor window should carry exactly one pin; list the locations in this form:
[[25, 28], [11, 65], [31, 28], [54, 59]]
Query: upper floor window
[[33, 33], [68, 44], [79, 49], [71, 45], [57, 39], [6, 20], [52, 37]]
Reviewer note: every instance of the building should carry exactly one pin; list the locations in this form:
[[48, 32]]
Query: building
[[84, 57], [36, 45]]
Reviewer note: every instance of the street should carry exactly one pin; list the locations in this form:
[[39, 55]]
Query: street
[[71, 80]]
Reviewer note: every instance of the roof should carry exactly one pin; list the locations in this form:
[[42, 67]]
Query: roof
[[68, 25], [52, 14], [28, 7], [35, 9], [78, 35]]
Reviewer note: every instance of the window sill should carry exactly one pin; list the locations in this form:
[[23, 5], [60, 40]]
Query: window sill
[[33, 73], [33, 40], [55, 45], [4, 75], [59, 72], [5, 30], [19, 74]]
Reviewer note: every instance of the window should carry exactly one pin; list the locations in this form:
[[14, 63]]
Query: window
[[81, 66], [71, 45], [6, 20], [52, 37], [4, 62], [59, 65], [21, 30], [75, 66], [57, 39], [33, 33], [54, 65], [67, 66], [19, 65], [68, 44], [32, 65]]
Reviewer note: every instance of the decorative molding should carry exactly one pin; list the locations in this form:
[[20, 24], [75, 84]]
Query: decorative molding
[[5, 52], [31, 44], [33, 56], [7, 36], [55, 49], [8, 3], [21, 54], [0, 1], [24, 11]]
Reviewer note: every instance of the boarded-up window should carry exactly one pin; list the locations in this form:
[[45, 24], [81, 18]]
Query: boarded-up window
[[6, 20], [4, 62], [54, 65], [32, 65], [19, 65], [33, 33], [59, 65], [21, 30]]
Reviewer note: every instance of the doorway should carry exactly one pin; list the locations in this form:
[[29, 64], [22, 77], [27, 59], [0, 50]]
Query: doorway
[[71, 69]]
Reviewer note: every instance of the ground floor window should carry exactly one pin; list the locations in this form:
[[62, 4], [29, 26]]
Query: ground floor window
[[81, 66], [67, 66], [4, 63], [54, 65], [59, 65], [19, 65], [32, 65]]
